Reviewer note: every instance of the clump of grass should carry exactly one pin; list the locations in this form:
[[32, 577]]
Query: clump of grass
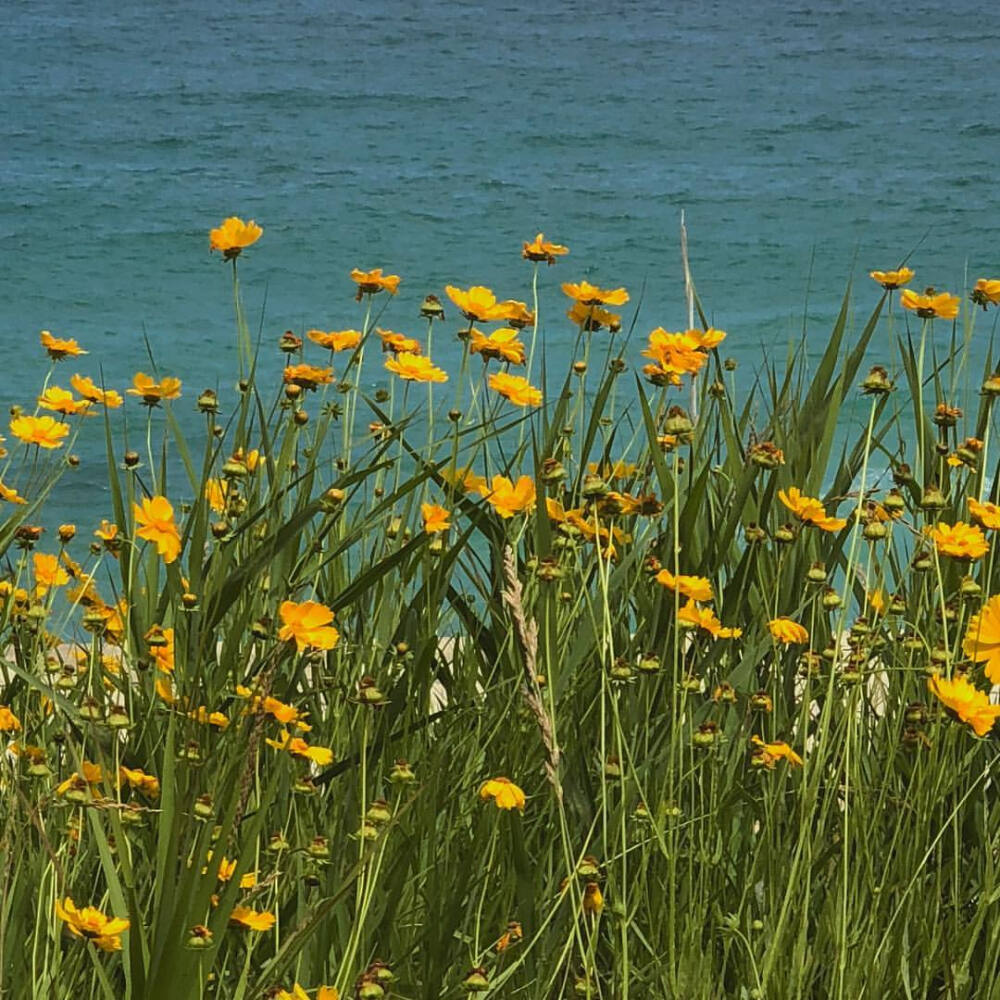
[[638, 679]]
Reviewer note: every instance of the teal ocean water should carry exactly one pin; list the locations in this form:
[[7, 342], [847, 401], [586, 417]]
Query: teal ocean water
[[806, 142]]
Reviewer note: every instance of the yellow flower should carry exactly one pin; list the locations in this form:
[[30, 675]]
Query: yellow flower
[[465, 478], [982, 638], [513, 934], [478, 303], [397, 343], [91, 924], [217, 494], [415, 368], [516, 389], [593, 900], [9, 722], [227, 869], [48, 572], [516, 313], [810, 510], [960, 540], [892, 279], [296, 993], [675, 354], [931, 304], [966, 700], [986, 293], [540, 249], [46, 432], [592, 318], [590, 295], [298, 747], [251, 920], [283, 713], [504, 793], [61, 401], [89, 775], [986, 515], [138, 779], [308, 623], [704, 618], [94, 393], [155, 520], [435, 518], [373, 282], [152, 392], [786, 631], [233, 236], [508, 498], [697, 588], [501, 345], [307, 376], [336, 340], [58, 348], [769, 754], [11, 495]]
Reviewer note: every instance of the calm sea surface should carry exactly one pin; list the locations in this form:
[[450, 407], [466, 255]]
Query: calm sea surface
[[807, 144]]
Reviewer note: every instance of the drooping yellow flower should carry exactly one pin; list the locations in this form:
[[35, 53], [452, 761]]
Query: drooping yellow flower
[[397, 343], [504, 793], [986, 515], [706, 340], [508, 498], [593, 318], [986, 293], [94, 393], [415, 368], [931, 304], [336, 340], [697, 588], [435, 518], [46, 432], [92, 925], [308, 623], [982, 638], [9, 722], [49, 572], [515, 389], [89, 776], [478, 304], [892, 279], [675, 354], [234, 236], [11, 495], [501, 345], [227, 869], [593, 899], [298, 747], [58, 348], [960, 540], [787, 631], [217, 494], [155, 521], [374, 281], [971, 705], [810, 510], [250, 919], [705, 619], [590, 295], [769, 754], [306, 376], [152, 392], [465, 478], [541, 249], [137, 778], [516, 313], [60, 401]]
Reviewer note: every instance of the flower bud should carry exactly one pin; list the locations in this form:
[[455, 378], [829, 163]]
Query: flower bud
[[66, 532]]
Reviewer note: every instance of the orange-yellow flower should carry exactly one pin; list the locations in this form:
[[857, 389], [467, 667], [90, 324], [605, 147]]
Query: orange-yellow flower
[[307, 376], [217, 494], [308, 623], [152, 392], [810, 510], [541, 249], [504, 793], [892, 279], [92, 925], [415, 368], [970, 704], [94, 393], [374, 281], [982, 638], [48, 572], [58, 348], [155, 520], [960, 540], [516, 389], [233, 236], [336, 340], [986, 292], [477, 304], [931, 304], [46, 432], [590, 295], [508, 498], [675, 354], [697, 588], [10, 494], [465, 478], [251, 920], [298, 747], [227, 869], [593, 899], [61, 401], [514, 312], [501, 345], [9, 722], [787, 631], [986, 515], [769, 754], [704, 618], [592, 318], [398, 343], [435, 518], [137, 778]]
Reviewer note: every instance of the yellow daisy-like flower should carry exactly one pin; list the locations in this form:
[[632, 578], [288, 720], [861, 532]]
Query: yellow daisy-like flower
[[593, 318], [890, 280], [971, 705], [374, 281], [435, 518], [250, 919], [298, 747], [787, 631], [960, 540], [986, 292], [590, 295], [540, 249], [92, 925], [704, 618], [336, 340], [516, 389], [136, 778], [49, 572], [810, 510], [397, 343], [308, 623], [46, 432], [982, 638], [501, 345], [508, 498], [477, 304], [234, 236], [152, 392], [769, 754], [504, 793], [155, 523], [593, 899], [94, 393], [10, 494], [697, 588], [57, 348], [306, 377], [930, 305], [415, 368], [986, 515], [60, 401], [9, 722]]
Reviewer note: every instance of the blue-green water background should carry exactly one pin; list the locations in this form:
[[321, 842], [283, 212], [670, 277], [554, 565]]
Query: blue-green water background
[[806, 142]]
